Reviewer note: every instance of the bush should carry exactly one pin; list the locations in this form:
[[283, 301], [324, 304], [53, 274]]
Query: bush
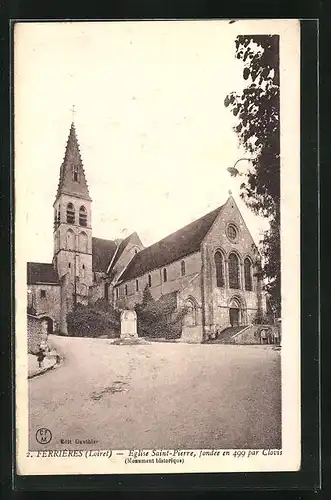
[[95, 320], [159, 318]]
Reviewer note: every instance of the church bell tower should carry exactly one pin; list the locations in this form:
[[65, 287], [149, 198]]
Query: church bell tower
[[73, 224]]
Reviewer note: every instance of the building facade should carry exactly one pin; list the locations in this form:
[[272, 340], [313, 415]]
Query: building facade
[[210, 266]]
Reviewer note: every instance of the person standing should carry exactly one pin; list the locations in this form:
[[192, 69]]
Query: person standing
[[41, 356]]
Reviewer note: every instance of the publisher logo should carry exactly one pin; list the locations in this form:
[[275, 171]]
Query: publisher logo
[[43, 435]]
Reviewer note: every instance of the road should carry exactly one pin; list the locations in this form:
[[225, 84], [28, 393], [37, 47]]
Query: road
[[159, 395]]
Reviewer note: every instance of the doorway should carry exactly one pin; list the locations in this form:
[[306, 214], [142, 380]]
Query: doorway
[[49, 324], [234, 316]]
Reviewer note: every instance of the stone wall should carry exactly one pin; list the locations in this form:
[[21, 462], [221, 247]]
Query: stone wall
[[37, 333], [97, 290], [175, 281], [45, 300], [251, 335]]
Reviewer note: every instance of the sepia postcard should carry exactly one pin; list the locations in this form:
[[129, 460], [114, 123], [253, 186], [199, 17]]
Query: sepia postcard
[[157, 240]]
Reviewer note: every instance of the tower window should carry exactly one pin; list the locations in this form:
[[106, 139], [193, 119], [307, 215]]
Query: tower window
[[126, 289], [42, 294], [69, 265], [75, 173], [149, 280], [106, 291], [82, 216], [117, 293], [137, 286], [182, 267], [165, 276], [70, 214]]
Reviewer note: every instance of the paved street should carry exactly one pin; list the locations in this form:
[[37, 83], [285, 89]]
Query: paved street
[[161, 395]]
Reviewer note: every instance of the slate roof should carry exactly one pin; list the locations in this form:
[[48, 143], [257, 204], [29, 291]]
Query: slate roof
[[175, 246], [39, 272], [102, 253]]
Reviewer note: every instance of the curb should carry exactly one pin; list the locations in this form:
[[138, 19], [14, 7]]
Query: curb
[[44, 370]]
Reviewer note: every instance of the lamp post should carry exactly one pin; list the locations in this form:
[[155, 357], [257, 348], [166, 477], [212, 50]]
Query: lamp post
[[233, 170]]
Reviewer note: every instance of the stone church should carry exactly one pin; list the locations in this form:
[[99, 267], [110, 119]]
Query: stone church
[[208, 266]]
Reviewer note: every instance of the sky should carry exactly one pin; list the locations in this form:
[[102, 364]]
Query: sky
[[155, 137]]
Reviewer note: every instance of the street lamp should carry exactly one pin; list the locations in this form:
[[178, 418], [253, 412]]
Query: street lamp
[[233, 170]]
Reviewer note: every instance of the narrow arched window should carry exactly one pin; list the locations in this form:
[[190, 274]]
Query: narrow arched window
[[165, 276], [219, 269], [182, 267], [70, 214], [137, 286], [149, 280], [248, 274], [117, 292], [126, 289], [82, 216], [75, 173], [233, 271]]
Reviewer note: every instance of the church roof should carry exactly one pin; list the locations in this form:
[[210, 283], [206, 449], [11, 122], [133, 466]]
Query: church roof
[[175, 246], [72, 158], [39, 272], [120, 249], [102, 253]]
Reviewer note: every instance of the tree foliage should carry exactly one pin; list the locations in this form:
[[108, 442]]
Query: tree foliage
[[94, 320], [258, 131], [159, 318]]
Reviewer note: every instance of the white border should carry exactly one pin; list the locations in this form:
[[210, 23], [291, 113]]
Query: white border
[[289, 31]]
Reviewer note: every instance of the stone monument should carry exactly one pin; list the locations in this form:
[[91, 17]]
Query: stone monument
[[128, 324]]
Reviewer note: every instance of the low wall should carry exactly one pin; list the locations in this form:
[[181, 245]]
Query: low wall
[[36, 333], [192, 334], [252, 335]]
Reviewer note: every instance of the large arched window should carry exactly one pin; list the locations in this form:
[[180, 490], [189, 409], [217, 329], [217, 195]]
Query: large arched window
[[82, 216], [248, 274], [219, 265], [70, 240], [234, 271], [165, 276], [70, 214], [82, 242]]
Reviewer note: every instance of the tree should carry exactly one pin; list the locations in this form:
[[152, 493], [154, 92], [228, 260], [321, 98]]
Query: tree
[[147, 296], [258, 131]]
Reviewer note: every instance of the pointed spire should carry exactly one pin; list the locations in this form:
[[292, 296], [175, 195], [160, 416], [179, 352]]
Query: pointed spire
[[72, 176]]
